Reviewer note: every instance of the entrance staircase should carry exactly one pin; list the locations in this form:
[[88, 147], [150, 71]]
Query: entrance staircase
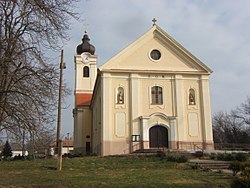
[[193, 159], [210, 164]]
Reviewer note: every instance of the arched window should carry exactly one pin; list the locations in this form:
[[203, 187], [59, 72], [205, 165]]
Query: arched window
[[191, 97], [120, 95], [86, 71], [156, 95]]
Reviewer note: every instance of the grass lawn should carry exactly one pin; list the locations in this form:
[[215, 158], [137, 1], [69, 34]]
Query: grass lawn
[[108, 172]]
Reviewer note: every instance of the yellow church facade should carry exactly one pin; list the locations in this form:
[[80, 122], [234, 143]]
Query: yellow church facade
[[153, 94]]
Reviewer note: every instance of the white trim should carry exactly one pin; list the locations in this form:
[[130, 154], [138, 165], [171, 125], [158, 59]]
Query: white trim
[[151, 106], [192, 106], [118, 105], [170, 124], [154, 60]]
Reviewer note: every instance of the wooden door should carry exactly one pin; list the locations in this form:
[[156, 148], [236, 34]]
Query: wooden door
[[158, 137]]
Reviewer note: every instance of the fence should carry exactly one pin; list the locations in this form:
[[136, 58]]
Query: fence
[[145, 145], [232, 146]]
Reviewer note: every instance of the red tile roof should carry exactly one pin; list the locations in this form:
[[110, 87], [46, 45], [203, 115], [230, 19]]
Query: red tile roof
[[83, 99], [65, 142], [68, 143]]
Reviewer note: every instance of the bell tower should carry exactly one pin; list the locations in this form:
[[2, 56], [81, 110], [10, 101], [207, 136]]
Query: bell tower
[[85, 77], [85, 67]]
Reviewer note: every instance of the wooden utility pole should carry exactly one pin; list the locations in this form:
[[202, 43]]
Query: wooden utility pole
[[59, 158], [58, 141]]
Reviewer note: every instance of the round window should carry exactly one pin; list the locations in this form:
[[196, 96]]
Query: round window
[[155, 54]]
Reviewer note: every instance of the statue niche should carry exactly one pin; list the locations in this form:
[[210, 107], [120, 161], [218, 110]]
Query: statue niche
[[191, 100], [120, 95]]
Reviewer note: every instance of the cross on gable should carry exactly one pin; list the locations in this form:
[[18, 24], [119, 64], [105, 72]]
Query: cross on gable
[[154, 21]]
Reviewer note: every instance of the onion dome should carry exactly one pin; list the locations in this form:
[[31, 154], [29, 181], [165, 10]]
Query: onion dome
[[85, 46]]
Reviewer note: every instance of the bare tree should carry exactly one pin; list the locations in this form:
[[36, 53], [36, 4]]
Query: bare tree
[[233, 127], [29, 79], [244, 111], [41, 142], [219, 126]]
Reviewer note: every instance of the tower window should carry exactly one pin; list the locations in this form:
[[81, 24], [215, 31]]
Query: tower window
[[156, 95], [86, 71]]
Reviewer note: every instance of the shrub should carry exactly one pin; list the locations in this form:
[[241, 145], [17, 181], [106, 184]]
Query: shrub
[[246, 172], [181, 159], [195, 166], [245, 168], [235, 167], [213, 156], [229, 156], [171, 158], [225, 157], [198, 154], [70, 155], [178, 159], [242, 181], [6, 152], [19, 157], [240, 157], [160, 154]]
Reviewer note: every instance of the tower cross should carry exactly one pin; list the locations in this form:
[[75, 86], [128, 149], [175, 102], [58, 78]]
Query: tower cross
[[85, 24]]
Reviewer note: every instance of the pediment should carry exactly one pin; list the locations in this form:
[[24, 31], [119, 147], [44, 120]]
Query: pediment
[[174, 57]]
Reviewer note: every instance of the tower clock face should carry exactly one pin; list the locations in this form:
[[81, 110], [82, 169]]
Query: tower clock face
[[85, 59]]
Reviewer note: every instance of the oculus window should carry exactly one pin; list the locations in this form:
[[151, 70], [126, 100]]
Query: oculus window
[[155, 54]]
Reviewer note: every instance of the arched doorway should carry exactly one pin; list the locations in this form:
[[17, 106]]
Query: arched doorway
[[158, 137]]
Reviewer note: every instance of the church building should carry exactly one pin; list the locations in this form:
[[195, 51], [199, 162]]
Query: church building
[[153, 94]]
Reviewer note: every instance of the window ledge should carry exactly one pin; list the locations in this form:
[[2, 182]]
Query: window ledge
[[161, 106]]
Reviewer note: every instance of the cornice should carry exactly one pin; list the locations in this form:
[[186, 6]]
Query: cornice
[[154, 71]]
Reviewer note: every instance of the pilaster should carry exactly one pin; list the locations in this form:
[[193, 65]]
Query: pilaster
[[173, 134], [179, 106], [134, 104], [144, 132], [206, 116], [106, 119]]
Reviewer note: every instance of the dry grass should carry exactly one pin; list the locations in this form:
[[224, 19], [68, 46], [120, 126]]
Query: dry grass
[[108, 172]]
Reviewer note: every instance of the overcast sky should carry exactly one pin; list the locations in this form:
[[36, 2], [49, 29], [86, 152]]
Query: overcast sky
[[215, 31]]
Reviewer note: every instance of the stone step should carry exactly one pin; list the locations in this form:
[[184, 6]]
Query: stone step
[[179, 153], [157, 152], [148, 150], [211, 164]]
